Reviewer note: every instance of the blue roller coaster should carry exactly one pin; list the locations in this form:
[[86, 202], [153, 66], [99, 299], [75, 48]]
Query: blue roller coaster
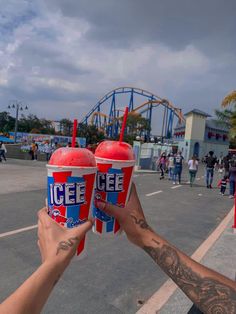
[[107, 115]]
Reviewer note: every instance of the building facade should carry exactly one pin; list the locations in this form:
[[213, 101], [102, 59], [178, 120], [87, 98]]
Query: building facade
[[198, 135]]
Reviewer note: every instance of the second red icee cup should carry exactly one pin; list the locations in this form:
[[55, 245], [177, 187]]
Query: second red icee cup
[[71, 176], [115, 162]]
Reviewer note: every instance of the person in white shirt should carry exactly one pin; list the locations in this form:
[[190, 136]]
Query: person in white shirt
[[193, 168], [47, 150], [3, 151], [171, 166]]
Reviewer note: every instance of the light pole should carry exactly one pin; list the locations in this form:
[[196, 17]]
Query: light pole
[[17, 106]]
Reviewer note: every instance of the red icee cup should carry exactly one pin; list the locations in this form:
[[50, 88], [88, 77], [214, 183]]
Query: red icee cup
[[71, 176], [115, 163]]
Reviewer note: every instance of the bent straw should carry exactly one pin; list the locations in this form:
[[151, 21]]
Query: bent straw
[[122, 132], [74, 133]]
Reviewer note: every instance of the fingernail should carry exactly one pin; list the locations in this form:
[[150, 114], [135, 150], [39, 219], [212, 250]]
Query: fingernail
[[100, 205]]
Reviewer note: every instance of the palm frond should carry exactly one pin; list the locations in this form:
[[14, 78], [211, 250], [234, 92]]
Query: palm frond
[[224, 117], [229, 99]]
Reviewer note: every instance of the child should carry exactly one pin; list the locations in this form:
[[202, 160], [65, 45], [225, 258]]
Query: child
[[222, 184], [162, 165]]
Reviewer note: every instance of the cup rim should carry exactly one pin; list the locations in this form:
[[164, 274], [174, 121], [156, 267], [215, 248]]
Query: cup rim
[[70, 167], [114, 160]]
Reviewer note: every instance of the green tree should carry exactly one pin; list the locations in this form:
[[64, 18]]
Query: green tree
[[136, 124], [28, 123], [229, 99], [7, 122], [31, 123], [227, 116], [66, 127], [91, 133], [46, 127]]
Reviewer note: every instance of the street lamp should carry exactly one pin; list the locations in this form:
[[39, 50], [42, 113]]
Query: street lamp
[[17, 106]]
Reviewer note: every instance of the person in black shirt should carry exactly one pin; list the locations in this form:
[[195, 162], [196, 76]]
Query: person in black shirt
[[226, 160], [210, 163]]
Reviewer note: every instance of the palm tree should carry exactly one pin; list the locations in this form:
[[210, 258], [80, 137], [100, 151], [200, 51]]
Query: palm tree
[[229, 99], [227, 117]]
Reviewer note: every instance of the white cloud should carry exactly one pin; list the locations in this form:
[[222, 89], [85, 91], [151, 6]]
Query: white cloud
[[47, 59]]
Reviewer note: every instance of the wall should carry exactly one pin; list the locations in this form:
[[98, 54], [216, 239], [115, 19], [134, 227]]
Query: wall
[[205, 147], [13, 151], [216, 148], [195, 127]]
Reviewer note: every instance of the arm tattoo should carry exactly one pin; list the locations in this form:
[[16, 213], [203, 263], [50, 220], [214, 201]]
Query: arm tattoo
[[141, 222], [66, 245], [210, 295]]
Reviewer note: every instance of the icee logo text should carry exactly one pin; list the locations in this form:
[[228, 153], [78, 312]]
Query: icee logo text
[[67, 193], [110, 182]]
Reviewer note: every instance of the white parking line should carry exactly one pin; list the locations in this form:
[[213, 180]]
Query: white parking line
[[9, 233], [176, 186], [153, 193]]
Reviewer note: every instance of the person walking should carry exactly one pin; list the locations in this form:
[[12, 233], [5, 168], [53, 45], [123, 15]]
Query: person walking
[[36, 152], [171, 166], [47, 150], [193, 168], [232, 176], [223, 184], [226, 160], [32, 149], [162, 165], [178, 162], [210, 164], [3, 151]]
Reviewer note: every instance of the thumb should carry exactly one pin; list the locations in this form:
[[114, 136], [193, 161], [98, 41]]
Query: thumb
[[111, 210], [81, 230]]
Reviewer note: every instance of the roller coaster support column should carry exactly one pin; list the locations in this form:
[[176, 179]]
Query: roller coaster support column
[[170, 124], [163, 124], [112, 116], [131, 101], [149, 121], [99, 117]]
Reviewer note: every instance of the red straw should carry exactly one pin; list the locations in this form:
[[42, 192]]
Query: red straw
[[124, 124], [74, 133]]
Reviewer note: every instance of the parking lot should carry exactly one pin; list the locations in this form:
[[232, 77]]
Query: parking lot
[[115, 276]]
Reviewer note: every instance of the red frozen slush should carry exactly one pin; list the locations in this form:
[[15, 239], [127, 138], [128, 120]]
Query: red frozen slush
[[74, 157]]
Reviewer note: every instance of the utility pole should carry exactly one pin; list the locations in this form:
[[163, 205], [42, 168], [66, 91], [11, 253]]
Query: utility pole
[[17, 106]]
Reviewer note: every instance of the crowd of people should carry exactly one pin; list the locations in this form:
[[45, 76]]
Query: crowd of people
[[172, 164]]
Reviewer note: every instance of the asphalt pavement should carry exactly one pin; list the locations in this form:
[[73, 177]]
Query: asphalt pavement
[[115, 276]]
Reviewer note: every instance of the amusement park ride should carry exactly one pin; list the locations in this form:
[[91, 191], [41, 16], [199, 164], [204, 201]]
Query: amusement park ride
[[106, 114]]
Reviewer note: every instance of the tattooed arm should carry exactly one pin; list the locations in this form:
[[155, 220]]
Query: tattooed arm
[[57, 247], [209, 290]]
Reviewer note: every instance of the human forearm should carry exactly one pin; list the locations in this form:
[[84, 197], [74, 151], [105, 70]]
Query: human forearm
[[31, 296], [209, 290]]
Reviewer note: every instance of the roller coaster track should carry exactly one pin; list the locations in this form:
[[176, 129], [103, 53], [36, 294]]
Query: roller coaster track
[[110, 122]]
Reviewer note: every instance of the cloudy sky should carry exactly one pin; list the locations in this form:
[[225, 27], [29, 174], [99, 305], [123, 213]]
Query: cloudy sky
[[62, 56]]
